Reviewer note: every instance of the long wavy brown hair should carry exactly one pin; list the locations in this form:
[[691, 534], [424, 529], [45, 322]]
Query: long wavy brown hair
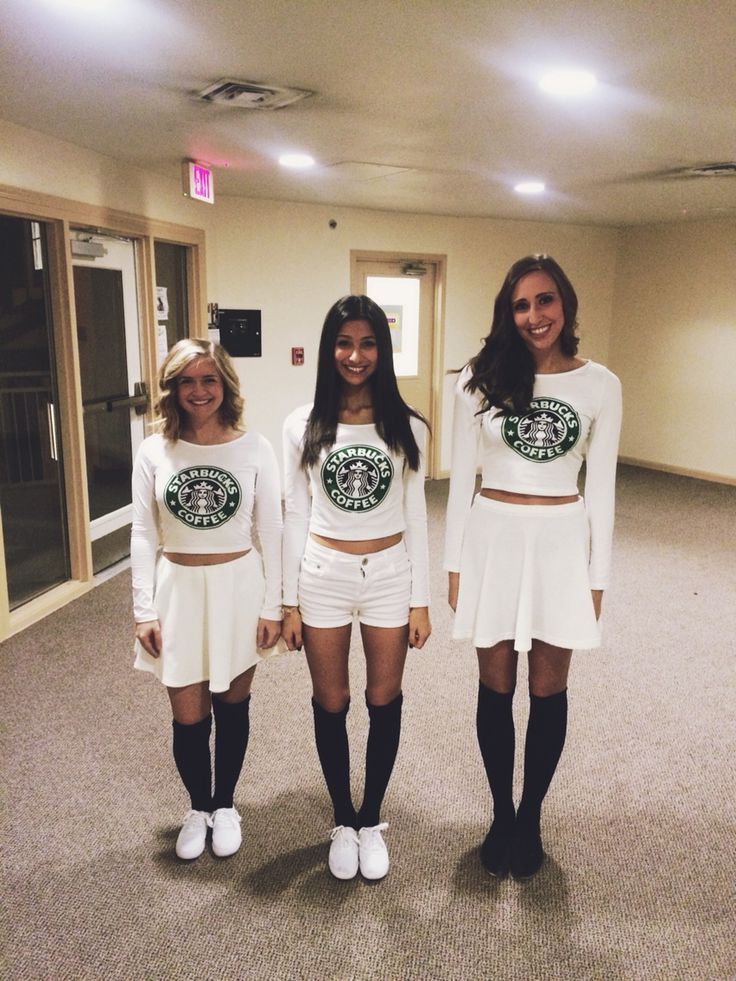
[[504, 369]]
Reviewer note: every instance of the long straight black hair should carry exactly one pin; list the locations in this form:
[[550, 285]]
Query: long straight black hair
[[504, 369], [391, 414]]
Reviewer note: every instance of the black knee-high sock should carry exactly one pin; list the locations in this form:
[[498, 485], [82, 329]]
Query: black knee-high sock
[[545, 738], [331, 737], [383, 745], [495, 727], [192, 758], [232, 728]]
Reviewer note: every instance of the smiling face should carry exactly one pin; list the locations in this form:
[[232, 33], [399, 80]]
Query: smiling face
[[356, 352], [199, 390], [538, 313]]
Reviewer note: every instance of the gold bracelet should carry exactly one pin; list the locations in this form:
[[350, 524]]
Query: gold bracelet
[[289, 609]]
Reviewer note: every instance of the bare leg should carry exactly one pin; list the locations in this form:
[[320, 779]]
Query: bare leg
[[327, 656], [191, 703]]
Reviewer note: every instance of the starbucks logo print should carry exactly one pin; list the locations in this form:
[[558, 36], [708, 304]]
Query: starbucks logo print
[[203, 497], [357, 478], [548, 430]]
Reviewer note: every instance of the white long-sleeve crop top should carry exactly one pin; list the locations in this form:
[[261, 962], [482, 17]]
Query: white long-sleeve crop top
[[205, 499], [574, 415], [359, 490]]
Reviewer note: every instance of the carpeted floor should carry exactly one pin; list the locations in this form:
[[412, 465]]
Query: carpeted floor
[[639, 824]]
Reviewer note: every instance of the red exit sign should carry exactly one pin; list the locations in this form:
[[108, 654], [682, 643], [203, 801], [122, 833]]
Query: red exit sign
[[198, 182]]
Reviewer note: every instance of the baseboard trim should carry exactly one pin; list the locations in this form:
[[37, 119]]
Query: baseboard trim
[[39, 608], [680, 471]]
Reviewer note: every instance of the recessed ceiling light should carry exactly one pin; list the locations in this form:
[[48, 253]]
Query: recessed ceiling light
[[81, 4], [568, 82], [297, 161], [529, 187]]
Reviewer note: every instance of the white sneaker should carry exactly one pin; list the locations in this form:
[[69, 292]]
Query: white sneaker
[[343, 858], [373, 854], [193, 834], [226, 833]]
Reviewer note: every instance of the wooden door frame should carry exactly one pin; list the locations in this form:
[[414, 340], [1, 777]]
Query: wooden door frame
[[59, 216]]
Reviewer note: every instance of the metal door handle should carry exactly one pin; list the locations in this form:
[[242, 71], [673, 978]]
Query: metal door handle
[[51, 416], [138, 401], [132, 401]]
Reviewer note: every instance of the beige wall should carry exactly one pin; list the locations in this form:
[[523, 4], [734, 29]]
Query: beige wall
[[285, 260], [673, 344], [34, 162], [671, 288]]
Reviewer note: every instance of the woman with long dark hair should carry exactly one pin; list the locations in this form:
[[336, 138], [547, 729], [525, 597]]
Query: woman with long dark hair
[[355, 544], [529, 560], [204, 611]]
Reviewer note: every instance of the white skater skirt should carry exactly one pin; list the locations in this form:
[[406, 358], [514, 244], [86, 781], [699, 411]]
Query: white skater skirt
[[209, 615], [524, 576]]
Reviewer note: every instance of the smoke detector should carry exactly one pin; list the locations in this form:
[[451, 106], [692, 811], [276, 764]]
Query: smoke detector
[[251, 95]]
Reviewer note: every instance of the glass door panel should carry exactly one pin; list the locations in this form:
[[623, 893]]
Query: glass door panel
[[399, 299], [32, 502], [109, 359], [405, 290], [103, 366], [172, 312]]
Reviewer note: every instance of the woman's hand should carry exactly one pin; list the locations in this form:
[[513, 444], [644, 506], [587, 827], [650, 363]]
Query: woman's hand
[[148, 634], [291, 630], [597, 595], [419, 626], [453, 586], [267, 632]]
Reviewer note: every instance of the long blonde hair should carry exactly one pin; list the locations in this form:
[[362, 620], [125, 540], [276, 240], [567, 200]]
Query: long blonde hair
[[171, 415]]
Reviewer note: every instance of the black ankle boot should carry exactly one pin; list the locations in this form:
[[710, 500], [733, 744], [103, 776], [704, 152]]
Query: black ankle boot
[[495, 852], [526, 852]]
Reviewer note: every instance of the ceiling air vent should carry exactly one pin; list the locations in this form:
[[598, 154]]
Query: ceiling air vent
[[725, 169], [251, 95], [714, 170]]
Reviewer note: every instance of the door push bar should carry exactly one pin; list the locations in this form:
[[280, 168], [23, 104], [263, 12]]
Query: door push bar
[[138, 401]]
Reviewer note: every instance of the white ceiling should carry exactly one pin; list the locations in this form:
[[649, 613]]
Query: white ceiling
[[440, 95]]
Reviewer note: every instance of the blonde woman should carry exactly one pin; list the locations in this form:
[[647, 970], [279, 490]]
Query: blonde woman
[[207, 609]]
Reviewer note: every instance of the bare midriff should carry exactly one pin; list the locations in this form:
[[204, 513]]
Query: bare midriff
[[509, 497], [365, 547], [208, 558]]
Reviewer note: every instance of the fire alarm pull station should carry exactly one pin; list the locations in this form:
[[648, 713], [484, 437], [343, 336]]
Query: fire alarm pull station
[[297, 355]]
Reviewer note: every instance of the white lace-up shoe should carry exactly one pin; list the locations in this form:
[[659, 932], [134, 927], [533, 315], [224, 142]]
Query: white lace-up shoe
[[226, 833], [193, 834], [372, 852], [343, 858]]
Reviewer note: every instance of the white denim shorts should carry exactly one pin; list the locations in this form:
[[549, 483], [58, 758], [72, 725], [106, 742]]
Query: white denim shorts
[[335, 586], [209, 617], [524, 576]]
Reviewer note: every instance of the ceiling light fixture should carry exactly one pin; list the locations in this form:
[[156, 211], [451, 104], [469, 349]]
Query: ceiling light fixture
[[82, 5], [529, 187], [568, 82], [296, 161]]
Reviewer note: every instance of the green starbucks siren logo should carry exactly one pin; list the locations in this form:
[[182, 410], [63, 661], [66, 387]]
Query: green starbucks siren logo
[[203, 497], [357, 478], [547, 431]]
